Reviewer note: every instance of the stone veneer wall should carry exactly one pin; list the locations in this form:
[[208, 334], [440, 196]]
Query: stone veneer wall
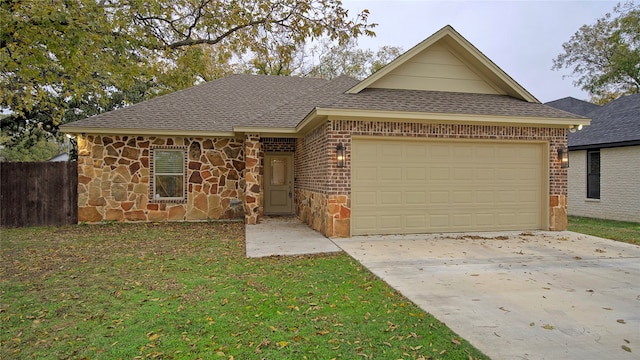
[[115, 179], [323, 190], [254, 201]]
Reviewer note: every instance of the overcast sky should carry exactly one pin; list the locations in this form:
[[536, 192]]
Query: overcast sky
[[521, 37]]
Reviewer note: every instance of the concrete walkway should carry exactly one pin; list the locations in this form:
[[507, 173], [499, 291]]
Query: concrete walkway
[[285, 236], [513, 295], [540, 295]]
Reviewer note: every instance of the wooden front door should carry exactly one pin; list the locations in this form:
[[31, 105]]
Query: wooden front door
[[278, 184]]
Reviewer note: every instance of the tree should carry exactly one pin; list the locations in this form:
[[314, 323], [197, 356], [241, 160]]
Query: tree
[[66, 59], [33, 146], [347, 59], [605, 56]]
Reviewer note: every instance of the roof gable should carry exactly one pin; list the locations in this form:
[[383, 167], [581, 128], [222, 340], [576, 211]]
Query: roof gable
[[445, 61]]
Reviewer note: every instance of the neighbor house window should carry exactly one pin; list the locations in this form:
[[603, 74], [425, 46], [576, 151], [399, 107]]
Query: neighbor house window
[[593, 174], [168, 174]]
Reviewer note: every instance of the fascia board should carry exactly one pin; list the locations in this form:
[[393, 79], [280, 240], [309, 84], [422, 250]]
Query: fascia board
[[348, 114], [70, 129], [271, 132]]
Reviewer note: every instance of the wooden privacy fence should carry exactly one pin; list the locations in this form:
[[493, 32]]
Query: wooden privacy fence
[[38, 194]]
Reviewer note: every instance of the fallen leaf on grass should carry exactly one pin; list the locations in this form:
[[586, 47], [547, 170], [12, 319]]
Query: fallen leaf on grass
[[456, 341]]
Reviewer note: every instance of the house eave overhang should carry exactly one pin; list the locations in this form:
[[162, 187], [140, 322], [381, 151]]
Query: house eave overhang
[[319, 115], [476, 119], [285, 132], [79, 130]]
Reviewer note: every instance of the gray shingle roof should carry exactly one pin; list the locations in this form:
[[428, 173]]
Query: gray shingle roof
[[445, 102], [217, 105], [573, 105], [279, 101], [614, 124]]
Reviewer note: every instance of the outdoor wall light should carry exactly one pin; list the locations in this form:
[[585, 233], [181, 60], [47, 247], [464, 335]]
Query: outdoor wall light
[[563, 155], [340, 155], [573, 128]]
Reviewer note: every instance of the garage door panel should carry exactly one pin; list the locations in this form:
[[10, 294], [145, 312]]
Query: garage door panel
[[415, 198], [462, 173], [416, 173], [364, 198], [462, 197], [462, 220], [527, 196], [485, 174], [438, 152], [485, 197], [427, 186], [484, 220], [416, 222], [365, 173], [390, 198], [439, 173], [439, 197]]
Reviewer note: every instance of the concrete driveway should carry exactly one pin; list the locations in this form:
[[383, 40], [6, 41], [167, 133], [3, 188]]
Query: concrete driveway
[[539, 295]]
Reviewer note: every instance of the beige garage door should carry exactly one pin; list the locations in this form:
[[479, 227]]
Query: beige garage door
[[424, 186]]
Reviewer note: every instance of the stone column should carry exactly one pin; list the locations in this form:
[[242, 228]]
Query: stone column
[[253, 179]]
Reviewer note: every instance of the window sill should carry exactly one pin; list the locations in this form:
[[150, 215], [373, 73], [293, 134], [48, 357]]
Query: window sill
[[591, 200], [167, 201]]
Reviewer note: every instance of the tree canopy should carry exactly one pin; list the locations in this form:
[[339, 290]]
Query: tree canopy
[[605, 56], [348, 59], [62, 60]]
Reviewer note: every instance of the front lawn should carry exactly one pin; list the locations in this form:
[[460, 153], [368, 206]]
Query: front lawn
[[609, 229], [186, 290]]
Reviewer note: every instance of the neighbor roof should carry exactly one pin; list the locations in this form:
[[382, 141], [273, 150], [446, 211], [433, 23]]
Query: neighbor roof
[[614, 124], [573, 105]]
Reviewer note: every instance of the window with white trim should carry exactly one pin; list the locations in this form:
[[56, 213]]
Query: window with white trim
[[168, 174]]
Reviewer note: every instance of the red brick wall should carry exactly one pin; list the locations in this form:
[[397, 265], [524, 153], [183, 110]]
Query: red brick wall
[[320, 181], [312, 160]]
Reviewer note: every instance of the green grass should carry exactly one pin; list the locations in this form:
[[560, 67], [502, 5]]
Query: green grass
[[609, 229], [179, 290]]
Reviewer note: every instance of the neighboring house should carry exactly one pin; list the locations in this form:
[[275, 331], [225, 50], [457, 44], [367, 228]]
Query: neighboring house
[[604, 172], [440, 139]]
